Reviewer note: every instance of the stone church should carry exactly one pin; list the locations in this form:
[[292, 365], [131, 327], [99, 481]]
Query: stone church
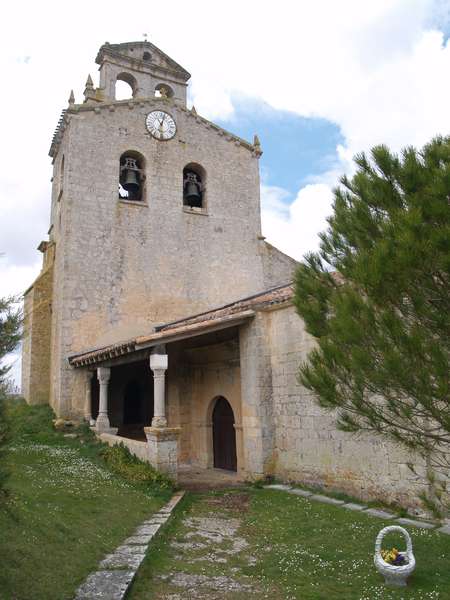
[[161, 315]]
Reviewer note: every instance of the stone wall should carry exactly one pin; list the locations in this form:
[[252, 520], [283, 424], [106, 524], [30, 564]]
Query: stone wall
[[308, 448], [26, 342], [256, 394], [37, 335]]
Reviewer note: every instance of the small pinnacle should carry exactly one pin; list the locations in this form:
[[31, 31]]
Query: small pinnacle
[[193, 111], [89, 82], [256, 142], [71, 98]]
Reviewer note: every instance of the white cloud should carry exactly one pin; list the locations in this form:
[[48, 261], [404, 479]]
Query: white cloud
[[378, 69], [286, 227]]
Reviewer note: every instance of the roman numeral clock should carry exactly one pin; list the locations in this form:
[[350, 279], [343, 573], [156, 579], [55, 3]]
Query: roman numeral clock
[[161, 125]]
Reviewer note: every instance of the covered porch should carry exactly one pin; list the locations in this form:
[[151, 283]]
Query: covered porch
[[173, 398], [193, 394]]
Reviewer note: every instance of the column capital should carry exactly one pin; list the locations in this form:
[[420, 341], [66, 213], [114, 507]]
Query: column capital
[[159, 362], [103, 374]]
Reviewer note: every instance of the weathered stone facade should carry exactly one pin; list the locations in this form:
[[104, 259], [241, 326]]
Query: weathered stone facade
[[37, 332], [108, 329], [303, 443]]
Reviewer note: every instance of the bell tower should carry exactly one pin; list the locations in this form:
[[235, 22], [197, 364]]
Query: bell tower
[[155, 216], [147, 70]]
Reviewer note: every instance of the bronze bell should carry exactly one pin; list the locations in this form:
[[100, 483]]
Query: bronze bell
[[192, 194], [130, 179]]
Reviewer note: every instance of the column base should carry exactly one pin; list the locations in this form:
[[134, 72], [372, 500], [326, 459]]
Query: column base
[[162, 445], [102, 425]]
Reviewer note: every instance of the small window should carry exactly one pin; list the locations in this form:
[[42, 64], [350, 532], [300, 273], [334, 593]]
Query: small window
[[147, 56], [131, 177], [193, 186]]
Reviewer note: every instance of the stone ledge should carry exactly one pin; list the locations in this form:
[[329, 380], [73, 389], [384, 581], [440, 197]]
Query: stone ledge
[[445, 529], [105, 585], [382, 514], [414, 523], [117, 570], [163, 433], [278, 486], [326, 499], [299, 492], [354, 506]]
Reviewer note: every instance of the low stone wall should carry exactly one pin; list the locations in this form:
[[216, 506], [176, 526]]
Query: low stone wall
[[139, 449]]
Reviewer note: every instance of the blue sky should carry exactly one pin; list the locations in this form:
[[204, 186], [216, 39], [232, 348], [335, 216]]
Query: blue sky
[[295, 148]]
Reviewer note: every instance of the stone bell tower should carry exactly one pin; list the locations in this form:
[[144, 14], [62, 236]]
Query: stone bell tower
[[155, 215]]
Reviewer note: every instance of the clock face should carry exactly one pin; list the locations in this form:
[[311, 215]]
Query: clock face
[[161, 125]]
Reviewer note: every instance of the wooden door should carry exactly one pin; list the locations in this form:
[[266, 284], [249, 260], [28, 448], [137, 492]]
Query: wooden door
[[224, 436]]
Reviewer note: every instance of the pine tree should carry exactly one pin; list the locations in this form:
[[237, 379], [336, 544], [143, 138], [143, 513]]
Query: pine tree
[[10, 332], [376, 297]]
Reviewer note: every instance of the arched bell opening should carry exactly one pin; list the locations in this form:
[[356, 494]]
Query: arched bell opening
[[126, 86], [131, 176], [224, 435], [194, 178], [162, 90]]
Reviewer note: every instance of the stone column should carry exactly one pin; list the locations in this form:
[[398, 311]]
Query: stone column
[[162, 441], [88, 399], [159, 364], [102, 424]]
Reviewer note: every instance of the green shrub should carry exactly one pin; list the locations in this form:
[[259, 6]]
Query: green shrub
[[120, 460], [25, 420]]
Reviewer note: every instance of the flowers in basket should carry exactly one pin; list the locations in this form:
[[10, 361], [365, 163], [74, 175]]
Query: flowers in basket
[[394, 557]]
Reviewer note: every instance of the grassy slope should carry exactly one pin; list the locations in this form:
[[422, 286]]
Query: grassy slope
[[306, 550], [65, 511]]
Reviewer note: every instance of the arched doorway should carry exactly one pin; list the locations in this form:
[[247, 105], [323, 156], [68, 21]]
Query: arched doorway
[[224, 435]]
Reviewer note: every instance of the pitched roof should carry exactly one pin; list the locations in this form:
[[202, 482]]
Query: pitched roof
[[228, 315]]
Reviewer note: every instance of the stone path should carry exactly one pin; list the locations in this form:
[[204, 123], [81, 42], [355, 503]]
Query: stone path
[[374, 512], [209, 553], [117, 570]]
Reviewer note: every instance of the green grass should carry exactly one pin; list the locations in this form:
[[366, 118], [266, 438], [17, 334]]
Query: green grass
[[305, 550], [66, 506]]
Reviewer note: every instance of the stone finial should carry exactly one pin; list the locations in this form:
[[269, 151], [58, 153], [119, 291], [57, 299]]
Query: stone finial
[[257, 145], [193, 111], [89, 91], [71, 98]]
